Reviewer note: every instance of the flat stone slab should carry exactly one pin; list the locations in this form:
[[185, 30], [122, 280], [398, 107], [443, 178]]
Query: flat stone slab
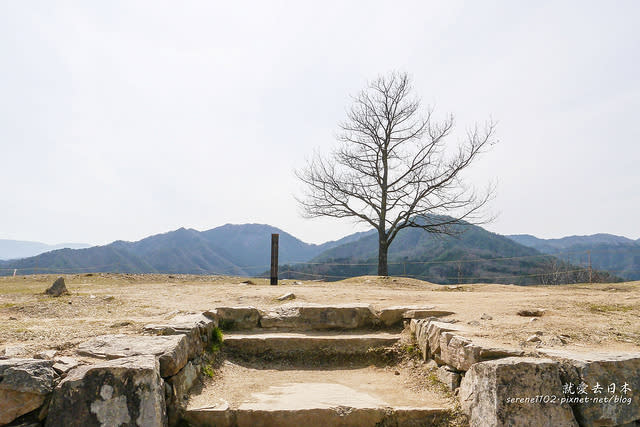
[[197, 327], [338, 416], [242, 317], [64, 364], [461, 353], [183, 324], [344, 397], [173, 351], [284, 343], [392, 316], [320, 317]]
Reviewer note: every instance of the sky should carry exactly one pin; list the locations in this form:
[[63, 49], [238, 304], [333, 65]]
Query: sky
[[123, 119]]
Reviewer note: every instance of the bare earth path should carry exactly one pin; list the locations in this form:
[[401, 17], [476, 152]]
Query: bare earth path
[[580, 317]]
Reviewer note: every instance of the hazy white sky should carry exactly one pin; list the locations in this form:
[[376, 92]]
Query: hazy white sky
[[122, 119]]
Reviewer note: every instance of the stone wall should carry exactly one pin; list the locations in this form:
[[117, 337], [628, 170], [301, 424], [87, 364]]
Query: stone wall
[[144, 380], [501, 387]]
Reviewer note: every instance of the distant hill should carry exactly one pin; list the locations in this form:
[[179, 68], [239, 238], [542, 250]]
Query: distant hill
[[564, 243], [476, 255], [15, 249], [249, 245], [616, 254], [469, 257], [229, 249]]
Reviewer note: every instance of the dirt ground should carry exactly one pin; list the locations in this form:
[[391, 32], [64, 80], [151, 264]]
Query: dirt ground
[[584, 317]]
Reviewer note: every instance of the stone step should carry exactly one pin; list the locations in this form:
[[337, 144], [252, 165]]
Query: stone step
[[338, 416], [290, 344], [307, 317], [242, 396]]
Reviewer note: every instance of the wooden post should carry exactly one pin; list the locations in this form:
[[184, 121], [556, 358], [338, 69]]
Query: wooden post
[[274, 259]]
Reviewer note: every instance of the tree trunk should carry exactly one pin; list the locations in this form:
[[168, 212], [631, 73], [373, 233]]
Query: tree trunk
[[383, 246]]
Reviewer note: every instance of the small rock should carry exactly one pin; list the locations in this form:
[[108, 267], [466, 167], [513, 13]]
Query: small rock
[[120, 324], [539, 333], [297, 283], [12, 318], [58, 288], [247, 282], [474, 323], [534, 319], [64, 364], [46, 355], [108, 298], [396, 373], [485, 316], [287, 296], [448, 377], [554, 340], [14, 351], [92, 296], [534, 338], [431, 364], [532, 312]]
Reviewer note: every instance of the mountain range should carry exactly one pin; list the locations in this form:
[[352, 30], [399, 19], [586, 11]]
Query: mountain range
[[615, 254], [474, 255], [15, 249], [229, 249]]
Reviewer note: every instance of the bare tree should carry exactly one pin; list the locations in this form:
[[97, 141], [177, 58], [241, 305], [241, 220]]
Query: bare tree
[[392, 169]]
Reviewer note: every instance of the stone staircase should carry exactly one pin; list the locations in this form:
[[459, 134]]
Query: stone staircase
[[314, 365]]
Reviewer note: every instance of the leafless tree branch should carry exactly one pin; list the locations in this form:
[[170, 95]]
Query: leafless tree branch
[[393, 169]]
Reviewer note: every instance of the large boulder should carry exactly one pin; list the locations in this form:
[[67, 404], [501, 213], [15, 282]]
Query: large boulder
[[123, 392], [235, 317], [24, 386], [606, 406], [515, 391], [58, 288], [173, 351], [319, 317]]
